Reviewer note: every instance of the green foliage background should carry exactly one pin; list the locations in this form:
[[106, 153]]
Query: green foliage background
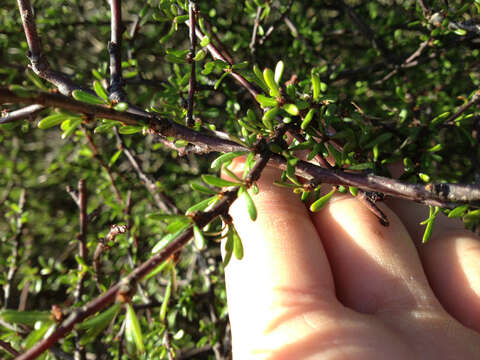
[[374, 93]]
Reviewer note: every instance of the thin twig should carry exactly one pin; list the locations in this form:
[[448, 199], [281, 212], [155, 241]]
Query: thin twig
[[473, 101], [17, 243], [7, 347], [192, 12], [96, 155], [79, 352], [161, 200], [37, 59], [276, 23], [20, 114], [115, 90], [253, 41]]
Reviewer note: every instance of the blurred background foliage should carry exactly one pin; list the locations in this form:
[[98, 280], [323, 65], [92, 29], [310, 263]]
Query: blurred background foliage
[[377, 91]]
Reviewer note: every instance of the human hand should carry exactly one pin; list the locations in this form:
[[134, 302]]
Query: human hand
[[338, 285]]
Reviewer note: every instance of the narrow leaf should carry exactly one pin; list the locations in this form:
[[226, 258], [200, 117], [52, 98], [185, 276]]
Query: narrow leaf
[[198, 237], [279, 71], [88, 98], [167, 239], [202, 189], [315, 87], [52, 120], [121, 106], [24, 317], [217, 163], [166, 298], [202, 205], [99, 90], [459, 211], [292, 109], [133, 332], [266, 101], [101, 320], [216, 181], [130, 129], [307, 119], [237, 245], [228, 247], [320, 203], [252, 210], [269, 78]]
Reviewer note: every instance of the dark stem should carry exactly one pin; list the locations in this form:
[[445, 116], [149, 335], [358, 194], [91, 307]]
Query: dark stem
[[38, 61], [7, 347], [115, 90]]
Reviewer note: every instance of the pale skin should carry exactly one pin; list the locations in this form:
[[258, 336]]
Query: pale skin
[[337, 285]]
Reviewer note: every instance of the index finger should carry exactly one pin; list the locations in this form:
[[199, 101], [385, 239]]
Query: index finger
[[284, 273]]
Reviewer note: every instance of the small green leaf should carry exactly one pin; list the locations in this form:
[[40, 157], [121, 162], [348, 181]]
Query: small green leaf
[[305, 196], [428, 232], [320, 203], [202, 189], [292, 109], [104, 128], [353, 190], [88, 98], [70, 126], [100, 91], [205, 41], [52, 120], [217, 84], [24, 317], [219, 161], [362, 166], [100, 321], [130, 129], [315, 87], [424, 177], [237, 245], [198, 238], [252, 210], [121, 106], [279, 68], [115, 157], [166, 298], [218, 182], [268, 117], [228, 246], [21, 91], [38, 334], [133, 332], [200, 55], [266, 101], [259, 77], [459, 211], [308, 118], [202, 205], [269, 78], [167, 239]]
